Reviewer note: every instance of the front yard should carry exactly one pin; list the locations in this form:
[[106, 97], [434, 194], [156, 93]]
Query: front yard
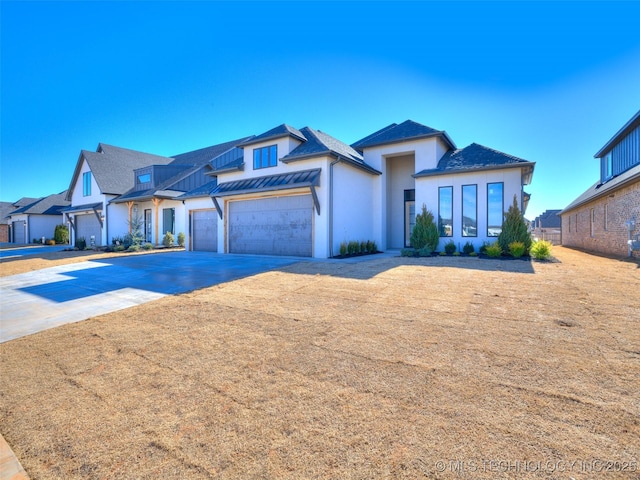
[[440, 367]]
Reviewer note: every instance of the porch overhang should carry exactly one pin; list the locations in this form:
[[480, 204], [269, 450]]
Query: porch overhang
[[89, 207], [271, 183]]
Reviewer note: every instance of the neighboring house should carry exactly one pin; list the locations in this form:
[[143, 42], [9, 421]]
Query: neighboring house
[[605, 216], [548, 226], [303, 192], [5, 221], [38, 218], [99, 178]]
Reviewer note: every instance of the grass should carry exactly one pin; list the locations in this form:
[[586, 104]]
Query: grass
[[379, 369]]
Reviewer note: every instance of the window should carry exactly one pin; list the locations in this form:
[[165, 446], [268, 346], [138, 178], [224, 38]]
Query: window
[[445, 211], [86, 184], [469, 210], [168, 220], [608, 165], [576, 223], [569, 223], [592, 221], [495, 208], [409, 215], [265, 157], [144, 178], [606, 216]]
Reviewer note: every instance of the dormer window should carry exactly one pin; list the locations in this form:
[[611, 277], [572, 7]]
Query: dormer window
[[265, 157], [144, 178]]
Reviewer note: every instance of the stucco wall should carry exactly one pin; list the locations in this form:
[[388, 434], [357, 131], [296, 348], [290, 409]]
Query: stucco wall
[[399, 179], [622, 205]]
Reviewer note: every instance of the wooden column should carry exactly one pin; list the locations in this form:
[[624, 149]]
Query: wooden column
[[130, 207], [156, 204]]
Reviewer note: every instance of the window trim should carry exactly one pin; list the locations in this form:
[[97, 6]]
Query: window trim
[[272, 156], [440, 234], [488, 206], [475, 208]]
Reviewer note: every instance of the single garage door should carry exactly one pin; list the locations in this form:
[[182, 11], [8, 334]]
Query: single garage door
[[204, 230], [88, 226], [19, 233], [272, 226]]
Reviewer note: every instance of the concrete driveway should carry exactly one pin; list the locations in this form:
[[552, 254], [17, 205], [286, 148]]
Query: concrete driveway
[[36, 301], [21, 251]]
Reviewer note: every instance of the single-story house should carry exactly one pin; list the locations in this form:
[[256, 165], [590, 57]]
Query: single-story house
[[548, 226], [38, 218], [303, 192], [607, 215]]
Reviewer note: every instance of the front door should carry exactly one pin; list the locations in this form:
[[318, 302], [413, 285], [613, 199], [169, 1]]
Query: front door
[[147, 225], [409, 215]]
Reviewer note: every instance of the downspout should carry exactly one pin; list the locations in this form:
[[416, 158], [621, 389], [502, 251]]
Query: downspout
[[338, 160], [106, 223]]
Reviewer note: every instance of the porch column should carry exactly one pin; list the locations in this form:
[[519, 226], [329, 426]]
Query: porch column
[[156, 204], [130, 207]]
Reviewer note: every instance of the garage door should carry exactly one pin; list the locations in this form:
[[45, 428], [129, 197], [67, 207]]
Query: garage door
[[204, 230], [88, 226], [19, 233], [272, 226]]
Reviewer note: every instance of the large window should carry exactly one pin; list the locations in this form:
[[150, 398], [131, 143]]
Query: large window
[[608, 166], [86, 184], [445, 211], [265, 157], [469, 210], [168, 220], [495, 208], [409, 215]]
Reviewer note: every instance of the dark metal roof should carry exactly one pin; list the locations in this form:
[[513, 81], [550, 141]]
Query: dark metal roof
[[600, 189], [630, 125], [474, 157], [202, 191], [407, 130], [283, 181], [82, 208], [280, 131]]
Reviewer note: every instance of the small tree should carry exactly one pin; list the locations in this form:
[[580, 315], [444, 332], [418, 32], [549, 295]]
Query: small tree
[[135, 225], [61, 234], [168, 239], [514, 229], [425, 231]]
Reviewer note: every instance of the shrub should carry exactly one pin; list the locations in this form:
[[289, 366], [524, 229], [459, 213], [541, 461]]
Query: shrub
[[168, 239], [61, 234], [127, 240], [370, 245], [456, 254], [449, 247], [181, 239], [408, 252], [363, 247], [514, 229], [353, 247], [147, 246], [425, 252], [118, 248], [81, 243], [374, 247], [541, 250], [135, 227], [425, 232], [50, 242], [468, 248], [117, 240], [343, 248], [516, 249], [473, 254], [133, 248], [494, 250], [483, 247]]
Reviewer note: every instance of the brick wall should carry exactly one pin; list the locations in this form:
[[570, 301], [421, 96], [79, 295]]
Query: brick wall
[[4, 233], [621, 205]]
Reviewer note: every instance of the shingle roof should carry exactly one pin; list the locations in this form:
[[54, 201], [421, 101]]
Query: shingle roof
[[394, 133], [51, 205], [5, 209], [319, 143], [24, 201], [280, 131], [548, 219], [473, 157], [600, 189]]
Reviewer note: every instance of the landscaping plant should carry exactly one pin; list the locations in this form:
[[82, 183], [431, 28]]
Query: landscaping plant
[[494, 250], [516, 249], [168, 239], [450, 247], [425, 232], [468, 248], [514, 229], [61, 234], [541, 250], [181, 239]]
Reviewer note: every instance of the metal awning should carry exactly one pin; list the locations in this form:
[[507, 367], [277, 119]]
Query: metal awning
[[83, 208], [270, 183]]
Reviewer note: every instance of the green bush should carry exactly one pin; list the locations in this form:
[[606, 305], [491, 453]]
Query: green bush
[[450, 247], [61, 234], [456, 254], [473, 254], [118, 248], [147, 246], [136, 226], [468, 248], [494, 250], [133, 248], [353, 247], [181, 239], [425, 252], [370, 246], [117, 240], [344, 249], [514, 229], [483, 247], [127, 240], [516, 249], [374, 247], [81, 243], [168, 239], [408, 252], [363, 247], [425, 232], [541, 250], [443, 253]]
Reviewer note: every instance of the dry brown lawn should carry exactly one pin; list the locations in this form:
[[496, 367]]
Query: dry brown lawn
[[393, 368]]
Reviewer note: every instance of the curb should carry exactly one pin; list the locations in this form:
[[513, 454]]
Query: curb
[[10, 468]]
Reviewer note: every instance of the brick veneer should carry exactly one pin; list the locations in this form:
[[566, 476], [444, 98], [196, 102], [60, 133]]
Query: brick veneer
[[4, 233], [622, 205]]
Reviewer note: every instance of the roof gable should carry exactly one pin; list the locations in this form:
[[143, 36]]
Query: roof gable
[[406, 131], [280, 131]]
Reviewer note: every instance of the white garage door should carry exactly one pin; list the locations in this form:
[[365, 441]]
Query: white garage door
[[19, 233], [88, 226], [272, 226], [204, 230]]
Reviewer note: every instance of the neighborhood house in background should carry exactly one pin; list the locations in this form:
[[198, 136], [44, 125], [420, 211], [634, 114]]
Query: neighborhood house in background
[[32, 219], [606, 218], [298, 192]]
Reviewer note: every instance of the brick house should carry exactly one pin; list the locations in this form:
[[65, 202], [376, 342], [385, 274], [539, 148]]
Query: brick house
[[604, 217]]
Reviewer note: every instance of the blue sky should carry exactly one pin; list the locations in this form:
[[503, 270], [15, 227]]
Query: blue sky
[[549, 82]]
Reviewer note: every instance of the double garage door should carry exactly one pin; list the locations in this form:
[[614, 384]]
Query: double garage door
[[272, 226], [88, 226]]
